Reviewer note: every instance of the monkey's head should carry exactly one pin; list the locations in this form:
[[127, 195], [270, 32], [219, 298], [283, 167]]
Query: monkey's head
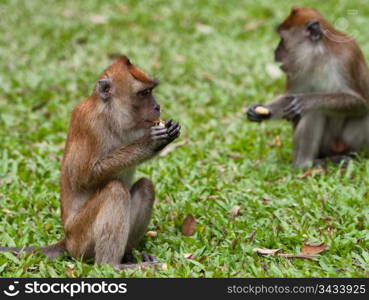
[[126, 94], [302, 38]]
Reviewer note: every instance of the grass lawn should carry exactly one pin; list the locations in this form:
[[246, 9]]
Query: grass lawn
[[213, 59]]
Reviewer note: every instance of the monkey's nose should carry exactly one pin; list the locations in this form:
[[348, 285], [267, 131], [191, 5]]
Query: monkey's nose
[[157, 107]]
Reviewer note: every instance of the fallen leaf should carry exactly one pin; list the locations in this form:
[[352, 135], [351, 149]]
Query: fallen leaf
[[171, 147], [266, 251], [313, 248], [189, 225], [234, 212], [277, 141], [308, 251], [151, 233], [235, 156], [310, 173]]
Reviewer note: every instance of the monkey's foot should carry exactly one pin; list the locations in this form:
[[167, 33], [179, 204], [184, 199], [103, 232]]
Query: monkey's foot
[[336, 160], [128, 258]]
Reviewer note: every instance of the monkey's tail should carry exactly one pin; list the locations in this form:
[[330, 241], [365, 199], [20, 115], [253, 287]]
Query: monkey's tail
[[53, 251]]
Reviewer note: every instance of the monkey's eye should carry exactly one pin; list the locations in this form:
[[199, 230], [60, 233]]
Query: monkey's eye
[[145, 92]]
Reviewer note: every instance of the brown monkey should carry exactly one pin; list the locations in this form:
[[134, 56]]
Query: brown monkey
[[327, 92], [103, 213]]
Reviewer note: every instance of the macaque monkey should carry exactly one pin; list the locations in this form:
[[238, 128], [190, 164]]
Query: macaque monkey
[[104, 213], [327, 93]]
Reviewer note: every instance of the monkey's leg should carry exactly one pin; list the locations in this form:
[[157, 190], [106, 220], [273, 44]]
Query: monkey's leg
[[356, 133], [308, 136], [143, 196], [101, 227]]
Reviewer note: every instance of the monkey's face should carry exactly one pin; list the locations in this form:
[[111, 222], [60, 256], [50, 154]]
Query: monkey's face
[[127, 94], [146, 110], [300, 35]]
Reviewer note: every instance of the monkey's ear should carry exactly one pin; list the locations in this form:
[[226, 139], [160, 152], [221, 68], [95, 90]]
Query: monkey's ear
[[104, 87], [314, 30]]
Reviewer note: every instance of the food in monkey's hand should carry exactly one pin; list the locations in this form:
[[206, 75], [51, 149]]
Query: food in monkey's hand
[[159, 123], [262, 111]]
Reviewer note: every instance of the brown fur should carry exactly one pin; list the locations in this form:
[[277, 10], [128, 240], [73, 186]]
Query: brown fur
[[105, 214]]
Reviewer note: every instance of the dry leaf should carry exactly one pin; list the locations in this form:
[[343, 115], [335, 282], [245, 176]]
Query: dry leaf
[[234, 212], [277, 141], [310, 173], [266, 251], [313, 248], [308, 251], [151, 233], [189, 225], [171, 147], [235, 156]]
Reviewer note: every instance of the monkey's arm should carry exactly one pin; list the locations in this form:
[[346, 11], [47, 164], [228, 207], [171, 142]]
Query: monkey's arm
[[339, 104], [274, 109], [135, 153]]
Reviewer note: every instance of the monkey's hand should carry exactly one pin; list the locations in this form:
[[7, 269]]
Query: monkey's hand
[[295, 109], [162, 136], [258, 113]]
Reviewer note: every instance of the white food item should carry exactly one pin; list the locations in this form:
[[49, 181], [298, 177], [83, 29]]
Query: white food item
[[160, 123], [262, 110]]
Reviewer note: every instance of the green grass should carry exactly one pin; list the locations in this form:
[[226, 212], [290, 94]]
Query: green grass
[[51, 53]]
